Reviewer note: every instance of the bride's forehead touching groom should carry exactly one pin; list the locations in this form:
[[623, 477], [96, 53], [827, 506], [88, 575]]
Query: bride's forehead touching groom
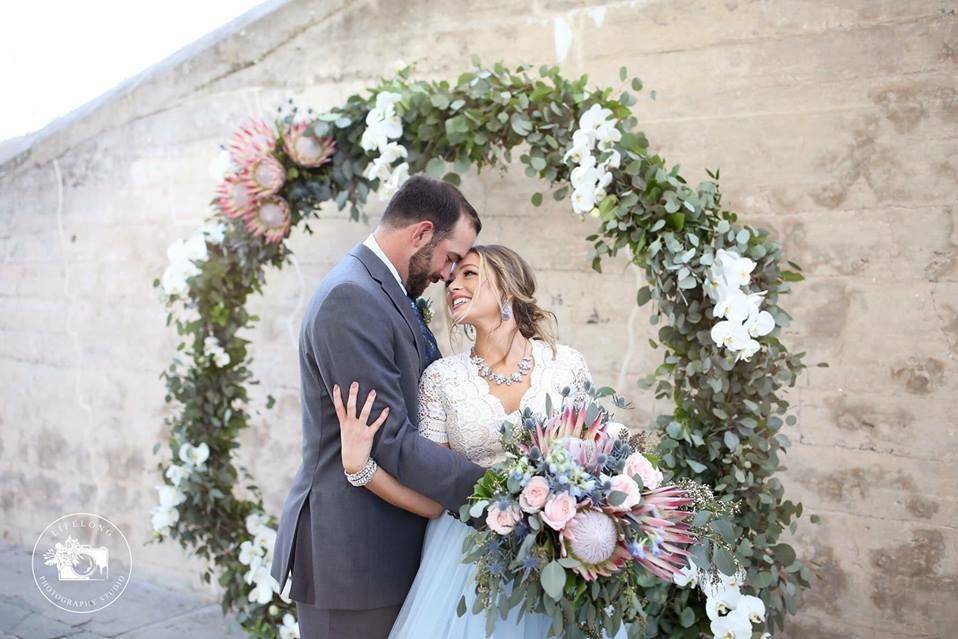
[[348, 555]]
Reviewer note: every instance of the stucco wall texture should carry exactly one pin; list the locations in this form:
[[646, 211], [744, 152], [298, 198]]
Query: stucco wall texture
[[834, 125]]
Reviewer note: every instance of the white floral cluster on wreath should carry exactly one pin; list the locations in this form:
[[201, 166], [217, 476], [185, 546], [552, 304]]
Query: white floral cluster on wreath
[[731, 613], [383, 125], [184, 254], [215, 352], [166, 513], [597, 131], [257, 554], [744, 320]]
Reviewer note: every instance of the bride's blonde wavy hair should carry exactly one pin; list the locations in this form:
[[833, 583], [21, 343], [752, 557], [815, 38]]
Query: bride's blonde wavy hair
[[515, 281]]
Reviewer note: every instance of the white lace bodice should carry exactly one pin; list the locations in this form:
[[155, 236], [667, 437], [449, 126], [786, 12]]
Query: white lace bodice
[[456, 407]]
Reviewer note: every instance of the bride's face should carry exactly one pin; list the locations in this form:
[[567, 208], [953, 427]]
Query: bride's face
[[471, 298]]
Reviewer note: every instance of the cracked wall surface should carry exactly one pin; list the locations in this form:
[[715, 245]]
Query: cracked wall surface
[[834, 125]]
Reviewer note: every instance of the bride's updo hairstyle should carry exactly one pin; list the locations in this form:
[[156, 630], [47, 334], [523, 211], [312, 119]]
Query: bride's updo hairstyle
[[514, 279]]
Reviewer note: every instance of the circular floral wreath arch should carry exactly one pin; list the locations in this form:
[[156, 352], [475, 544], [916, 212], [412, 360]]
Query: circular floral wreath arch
[[725, 376]]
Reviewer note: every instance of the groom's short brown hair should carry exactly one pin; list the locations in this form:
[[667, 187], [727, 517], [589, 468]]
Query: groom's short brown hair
[[424, 198]]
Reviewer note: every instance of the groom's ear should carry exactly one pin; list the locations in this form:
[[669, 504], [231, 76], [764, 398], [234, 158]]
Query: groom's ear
[[422, 233]]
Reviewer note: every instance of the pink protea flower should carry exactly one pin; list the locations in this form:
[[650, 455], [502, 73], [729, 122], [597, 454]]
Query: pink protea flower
[[253, 140], [234, 198], [592, 538], [269, 218], [658, 515], [570, 423], [264, 176], [305, 149]]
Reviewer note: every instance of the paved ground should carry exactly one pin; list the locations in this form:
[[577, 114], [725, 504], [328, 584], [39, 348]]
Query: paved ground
[[144, 611]]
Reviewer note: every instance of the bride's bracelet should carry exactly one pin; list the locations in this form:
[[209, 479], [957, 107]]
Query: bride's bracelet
[[365, 475]]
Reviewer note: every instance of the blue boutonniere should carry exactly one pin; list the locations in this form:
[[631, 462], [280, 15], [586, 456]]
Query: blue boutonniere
[[424, 306]]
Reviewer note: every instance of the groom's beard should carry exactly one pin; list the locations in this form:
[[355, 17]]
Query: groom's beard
[[419, 276]]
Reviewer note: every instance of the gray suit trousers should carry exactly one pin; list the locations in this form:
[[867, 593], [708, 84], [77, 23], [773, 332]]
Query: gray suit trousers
[[321, 623]]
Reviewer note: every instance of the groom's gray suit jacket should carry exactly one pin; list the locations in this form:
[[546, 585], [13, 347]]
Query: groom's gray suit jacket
[[365, 552]]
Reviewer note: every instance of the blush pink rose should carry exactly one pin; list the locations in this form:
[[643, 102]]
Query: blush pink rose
[[559, 510], [637, 464], [625, 484], [534, 495], [503, 521]]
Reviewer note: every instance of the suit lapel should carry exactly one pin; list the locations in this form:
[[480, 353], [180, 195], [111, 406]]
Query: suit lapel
[[390, 286]]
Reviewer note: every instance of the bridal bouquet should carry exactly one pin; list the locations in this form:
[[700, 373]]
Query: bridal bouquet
[[575, 523]]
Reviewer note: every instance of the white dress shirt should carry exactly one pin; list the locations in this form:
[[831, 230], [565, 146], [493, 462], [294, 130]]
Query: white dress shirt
[[371, 243]]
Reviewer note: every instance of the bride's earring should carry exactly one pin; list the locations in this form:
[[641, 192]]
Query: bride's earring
[[506, 312]]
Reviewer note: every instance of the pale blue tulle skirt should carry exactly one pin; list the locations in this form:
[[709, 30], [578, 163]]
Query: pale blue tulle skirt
[[430, 606]]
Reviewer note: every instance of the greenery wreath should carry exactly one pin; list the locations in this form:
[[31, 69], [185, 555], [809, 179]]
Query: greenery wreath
[[724, 365]]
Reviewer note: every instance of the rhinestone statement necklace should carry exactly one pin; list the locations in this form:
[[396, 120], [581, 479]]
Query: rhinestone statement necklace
[[522, 368]]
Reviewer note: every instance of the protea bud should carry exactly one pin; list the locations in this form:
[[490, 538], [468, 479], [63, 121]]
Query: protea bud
[[264, 176], [269, 218], [305, 149], [234, 197]]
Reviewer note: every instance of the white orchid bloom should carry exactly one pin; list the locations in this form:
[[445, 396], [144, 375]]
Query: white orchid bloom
[[254, 521], [399, 175], [731, 335], [262, 593], [194, 249], [734, 581], [378, 169], [392, 152], [752, 607], [194, 456], [760, 323], [248, 550], [750, 348], [214, 232], [605, 178], [688, 577], [731, 626], [607, 134], [290, 628], [162, 518], [722, 600], [376, 135], [576, 153], [265, 537], [174, 279], [612, 162], [737, 270], [734, 305], [583, 200], [594, 117], [584, 139], [176, 473], [584, 177], [386, 99], [170, 496]]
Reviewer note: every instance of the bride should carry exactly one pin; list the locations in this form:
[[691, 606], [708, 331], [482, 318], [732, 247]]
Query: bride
[[463, 399]]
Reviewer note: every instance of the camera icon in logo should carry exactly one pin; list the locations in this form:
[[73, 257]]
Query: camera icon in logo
[[78, 562]]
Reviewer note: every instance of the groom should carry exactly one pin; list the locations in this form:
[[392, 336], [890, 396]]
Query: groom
[[351, 555]]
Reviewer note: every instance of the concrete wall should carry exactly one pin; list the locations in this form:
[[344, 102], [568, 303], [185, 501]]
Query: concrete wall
[[834, 125]]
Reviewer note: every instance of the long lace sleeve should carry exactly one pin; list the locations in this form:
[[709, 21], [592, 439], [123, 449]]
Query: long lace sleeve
[[580, 375], [432, 412]]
